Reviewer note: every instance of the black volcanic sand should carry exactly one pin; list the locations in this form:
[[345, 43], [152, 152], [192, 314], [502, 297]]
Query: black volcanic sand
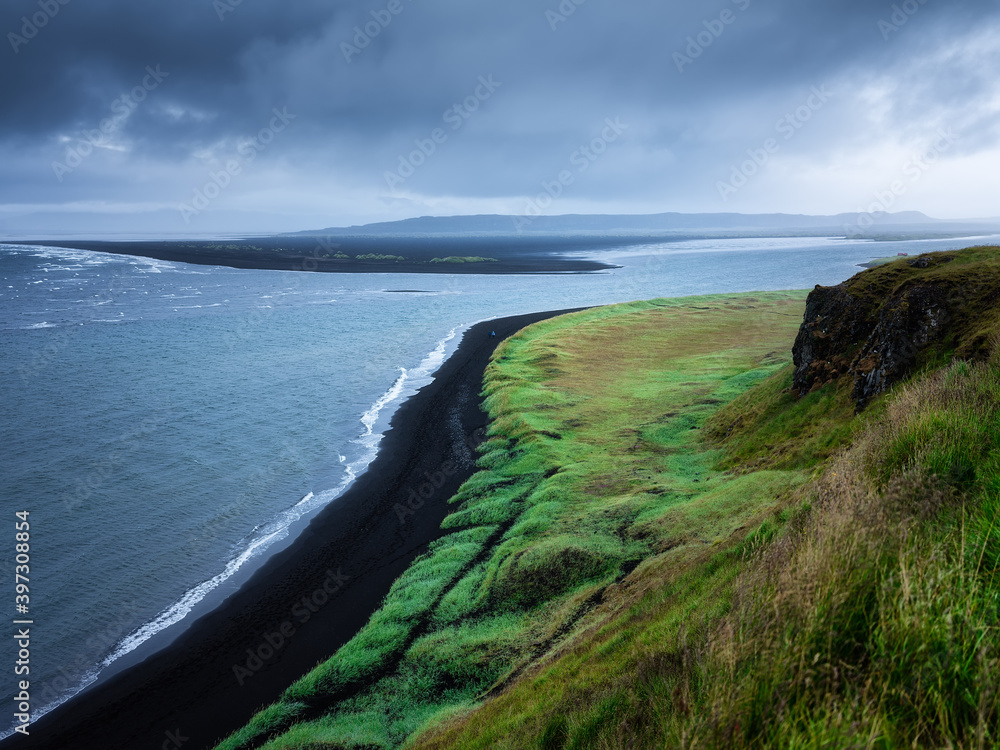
[[190, 686], [513, 254]]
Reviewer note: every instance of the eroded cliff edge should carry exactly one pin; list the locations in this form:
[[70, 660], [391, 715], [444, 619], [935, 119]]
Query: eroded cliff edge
[[885, 323]]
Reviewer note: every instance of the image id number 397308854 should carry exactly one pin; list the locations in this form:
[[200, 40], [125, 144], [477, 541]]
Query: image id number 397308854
[[22, 625]]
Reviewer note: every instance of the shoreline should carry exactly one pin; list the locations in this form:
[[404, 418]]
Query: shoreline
[[308, 599], [169, 624], [369, 255]]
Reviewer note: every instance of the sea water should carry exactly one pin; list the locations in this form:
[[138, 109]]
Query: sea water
[[167, 426]]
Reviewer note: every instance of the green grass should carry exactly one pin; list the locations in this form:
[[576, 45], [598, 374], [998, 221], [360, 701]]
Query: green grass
[[769, 426], [664, 547], [595, 465], [464, 259], [380, 257], [882, 261], [865, 613], [876, 625]]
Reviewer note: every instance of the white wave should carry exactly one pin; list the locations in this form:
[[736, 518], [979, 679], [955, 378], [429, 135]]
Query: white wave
[[270, 533], [80, 259], [263, 538], [435, 359], [408, 383], [350, 476], [304, 500], [370, 417], [179, 610], [418, 377]]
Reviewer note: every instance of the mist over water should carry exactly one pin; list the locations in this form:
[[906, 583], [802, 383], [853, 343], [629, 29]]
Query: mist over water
[[166, 424]]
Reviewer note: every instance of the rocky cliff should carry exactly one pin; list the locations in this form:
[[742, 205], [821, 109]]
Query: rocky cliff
[[885, 323]]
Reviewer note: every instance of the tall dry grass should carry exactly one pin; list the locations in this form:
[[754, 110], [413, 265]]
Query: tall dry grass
[[873, 622]]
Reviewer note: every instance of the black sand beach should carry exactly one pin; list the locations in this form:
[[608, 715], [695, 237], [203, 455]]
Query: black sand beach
[[508, 255], [310, 598]]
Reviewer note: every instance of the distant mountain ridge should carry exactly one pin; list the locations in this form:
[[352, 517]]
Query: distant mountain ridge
[[638, 223]]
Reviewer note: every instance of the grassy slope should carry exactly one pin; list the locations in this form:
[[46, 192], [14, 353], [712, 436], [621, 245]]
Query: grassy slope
[[595, 469], [665, 548], [615, 682], [870, 620]]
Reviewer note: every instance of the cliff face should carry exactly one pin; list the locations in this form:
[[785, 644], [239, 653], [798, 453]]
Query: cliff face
[[884, 323]]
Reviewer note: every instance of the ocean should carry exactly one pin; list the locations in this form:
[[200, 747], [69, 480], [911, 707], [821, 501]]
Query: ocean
[[169, 426]]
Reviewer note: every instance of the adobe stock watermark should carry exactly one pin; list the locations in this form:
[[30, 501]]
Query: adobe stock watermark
[[912, 172], [246, 152], [224, 7], [787, 127], [251, 325], [365, 34], [562, 13], [324, 250], [31, 25], [454, 118], [581, 160], [274, 640], [714, 28], [417, 498], [260, 478], [900, 16], [96, 648], [174, 740], [43, 357], [121, 109]]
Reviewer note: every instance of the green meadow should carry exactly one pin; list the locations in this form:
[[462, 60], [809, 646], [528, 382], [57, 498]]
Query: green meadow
[[665, 547]]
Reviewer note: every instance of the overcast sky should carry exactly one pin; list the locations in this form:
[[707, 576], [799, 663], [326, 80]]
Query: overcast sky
[[198, 116]]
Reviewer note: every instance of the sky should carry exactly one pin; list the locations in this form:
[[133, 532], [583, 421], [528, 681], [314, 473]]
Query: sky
[[197, 117]]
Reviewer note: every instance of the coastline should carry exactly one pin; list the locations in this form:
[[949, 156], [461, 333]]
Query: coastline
[[308, 599], [508, 256]]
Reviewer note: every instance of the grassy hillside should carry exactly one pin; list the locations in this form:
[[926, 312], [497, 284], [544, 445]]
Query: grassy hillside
[[667, 546], [594, 470], [868, 620]]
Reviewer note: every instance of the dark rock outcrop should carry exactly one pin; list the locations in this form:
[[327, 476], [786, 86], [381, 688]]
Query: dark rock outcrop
[[908, 323], [881, 325], [835, 323]]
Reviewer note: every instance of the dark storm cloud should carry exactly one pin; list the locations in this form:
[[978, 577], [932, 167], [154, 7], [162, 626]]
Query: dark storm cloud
[[228, 68], [90, 51], [697, 84]]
